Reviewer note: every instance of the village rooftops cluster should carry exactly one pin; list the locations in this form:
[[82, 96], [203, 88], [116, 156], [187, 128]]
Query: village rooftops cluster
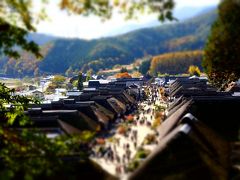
[[197, 140], [95, 108]]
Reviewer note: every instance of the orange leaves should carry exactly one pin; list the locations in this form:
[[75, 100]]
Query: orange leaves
[[123, 75], [100, 141], [64, 4], [175, 63], [129, 118], [121, 130]]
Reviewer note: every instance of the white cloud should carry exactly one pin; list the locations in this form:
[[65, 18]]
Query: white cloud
[[62, 24]]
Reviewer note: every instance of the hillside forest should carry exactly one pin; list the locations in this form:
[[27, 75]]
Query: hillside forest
[[72, 55]]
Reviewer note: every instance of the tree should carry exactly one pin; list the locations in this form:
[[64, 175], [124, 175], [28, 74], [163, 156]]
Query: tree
[[123, 75], [136, 74], [80, 81], [58, 80], [28, 154], [176, 62], [145, 66], [222, 56], [123, 70], [104, 8], [194, 70], [16, 19], [89, 74]]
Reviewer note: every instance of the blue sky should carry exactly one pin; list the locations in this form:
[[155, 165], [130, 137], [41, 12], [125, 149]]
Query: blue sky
[[63, 25]]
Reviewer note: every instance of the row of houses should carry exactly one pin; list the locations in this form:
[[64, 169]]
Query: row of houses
[[199, 138], [95, 108]]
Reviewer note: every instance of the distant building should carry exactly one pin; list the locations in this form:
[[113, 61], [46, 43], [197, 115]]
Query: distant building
[[130, 81], [31, 88], [37, 94]]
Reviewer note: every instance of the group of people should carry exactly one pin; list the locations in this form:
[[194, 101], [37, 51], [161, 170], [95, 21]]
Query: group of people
[[122, 148]]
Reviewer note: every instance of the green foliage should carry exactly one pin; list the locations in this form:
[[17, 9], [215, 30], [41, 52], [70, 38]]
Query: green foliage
[[194, 70], [133, 165], [51, 88], [11, 36], [89, 74], [222, 56], [130, 8], [26, 65], [75, 83], [145, 66], [18, 105], [141, 154], [123, 70], [29, 154], [80, 81], [58, 80], [15, 23]]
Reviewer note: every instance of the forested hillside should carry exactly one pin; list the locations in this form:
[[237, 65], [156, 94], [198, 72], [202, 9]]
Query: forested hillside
[[175, 63], [107, 52]]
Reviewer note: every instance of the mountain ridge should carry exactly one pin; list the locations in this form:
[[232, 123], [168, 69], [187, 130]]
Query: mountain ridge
[[105, 52]]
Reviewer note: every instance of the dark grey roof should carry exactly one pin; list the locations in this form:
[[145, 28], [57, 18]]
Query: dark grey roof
[[182, 154], [173, 120]]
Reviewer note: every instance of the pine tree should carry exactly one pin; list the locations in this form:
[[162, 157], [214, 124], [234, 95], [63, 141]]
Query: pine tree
[[80, 81], [123, 70], [222, 56]]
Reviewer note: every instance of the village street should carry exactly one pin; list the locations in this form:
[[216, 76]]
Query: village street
[[130, 136]]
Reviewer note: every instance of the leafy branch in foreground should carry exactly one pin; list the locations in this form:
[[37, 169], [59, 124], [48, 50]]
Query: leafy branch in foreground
[[17, 18], [29, 154]]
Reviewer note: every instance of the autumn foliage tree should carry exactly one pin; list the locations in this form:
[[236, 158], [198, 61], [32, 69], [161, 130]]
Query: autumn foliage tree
[[123, 75], [194, 70], [136, 74], [222, 56], [175, 63]]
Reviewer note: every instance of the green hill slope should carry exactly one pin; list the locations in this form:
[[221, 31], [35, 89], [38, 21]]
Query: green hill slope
[[124, 49], [106, 52]]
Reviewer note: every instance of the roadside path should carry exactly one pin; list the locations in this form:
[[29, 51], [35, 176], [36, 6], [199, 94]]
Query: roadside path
[[117, 151]]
